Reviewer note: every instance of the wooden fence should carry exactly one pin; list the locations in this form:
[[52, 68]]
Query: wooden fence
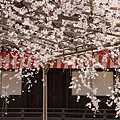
[[56, 114]]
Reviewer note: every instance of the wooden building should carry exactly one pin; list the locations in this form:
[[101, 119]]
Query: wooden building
[[56, 30], [61, 103]]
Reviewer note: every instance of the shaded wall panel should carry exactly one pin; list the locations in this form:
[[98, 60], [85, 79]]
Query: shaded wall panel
[[10, 83]]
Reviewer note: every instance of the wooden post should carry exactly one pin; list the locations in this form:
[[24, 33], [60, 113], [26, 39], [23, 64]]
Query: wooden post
[[44, 94]]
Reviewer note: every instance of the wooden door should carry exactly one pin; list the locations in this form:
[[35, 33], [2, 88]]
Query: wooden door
[[55, 88]]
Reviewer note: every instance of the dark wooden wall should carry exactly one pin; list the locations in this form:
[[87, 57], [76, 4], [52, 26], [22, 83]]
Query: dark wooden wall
[[59, 95]]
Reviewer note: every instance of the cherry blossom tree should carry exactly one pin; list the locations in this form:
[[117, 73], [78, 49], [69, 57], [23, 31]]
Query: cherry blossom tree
[[53, 29]]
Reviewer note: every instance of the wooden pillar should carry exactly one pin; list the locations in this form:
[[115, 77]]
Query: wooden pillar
[[45, 71], [44, 94]]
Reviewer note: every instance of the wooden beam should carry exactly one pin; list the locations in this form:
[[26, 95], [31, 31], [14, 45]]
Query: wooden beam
[[74, 34], [33, 36], [115, 8], [87, 49]]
